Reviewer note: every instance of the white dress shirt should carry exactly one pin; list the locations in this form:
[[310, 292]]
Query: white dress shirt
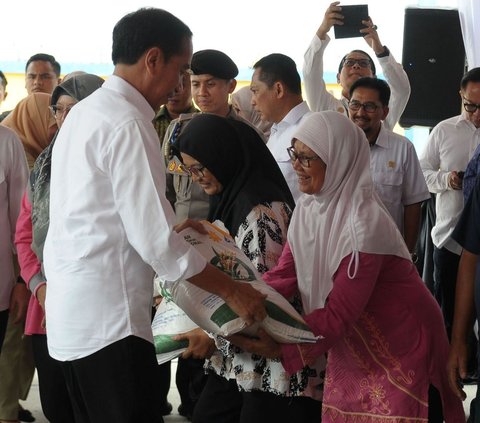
[[13, 180], [319, 99], [450, 146], [281, 138], [110, 225], [397, 174]]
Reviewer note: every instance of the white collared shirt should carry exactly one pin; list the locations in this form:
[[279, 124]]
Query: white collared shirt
[[450, 146], [319, 99], [13, 180], [281, 138], [110, 225], [397, 174]]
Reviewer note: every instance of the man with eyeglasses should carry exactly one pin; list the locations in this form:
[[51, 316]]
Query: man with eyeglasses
[[394, 164], [354, 65], [42, 74], [450, 146]]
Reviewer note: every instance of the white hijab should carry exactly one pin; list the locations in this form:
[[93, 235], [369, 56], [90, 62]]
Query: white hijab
[[346, 216]]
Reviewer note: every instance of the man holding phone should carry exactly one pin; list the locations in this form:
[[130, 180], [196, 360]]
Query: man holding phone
[[354, 65], [450, 146]]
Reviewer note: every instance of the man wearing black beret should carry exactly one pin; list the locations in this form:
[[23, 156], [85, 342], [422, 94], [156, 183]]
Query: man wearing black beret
[[213, 80]]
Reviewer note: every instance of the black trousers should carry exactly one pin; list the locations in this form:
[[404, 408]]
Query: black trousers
[[221, 402], [3, 326], [445, 283], [116, 384], [190, 380], [56, 404]]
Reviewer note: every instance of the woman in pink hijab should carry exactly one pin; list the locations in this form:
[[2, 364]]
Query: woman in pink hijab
[[362, 295]]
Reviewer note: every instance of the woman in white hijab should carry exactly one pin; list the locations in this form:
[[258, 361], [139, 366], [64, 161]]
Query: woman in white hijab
[[361, 293]]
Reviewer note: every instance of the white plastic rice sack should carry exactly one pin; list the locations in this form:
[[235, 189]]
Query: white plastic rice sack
[[212, 314], [169, 321]]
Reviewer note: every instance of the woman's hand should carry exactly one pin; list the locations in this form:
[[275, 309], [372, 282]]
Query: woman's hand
[[263, 345], [200, 345]]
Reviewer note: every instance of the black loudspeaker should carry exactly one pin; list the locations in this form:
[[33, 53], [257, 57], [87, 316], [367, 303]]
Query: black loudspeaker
[[434, 59]]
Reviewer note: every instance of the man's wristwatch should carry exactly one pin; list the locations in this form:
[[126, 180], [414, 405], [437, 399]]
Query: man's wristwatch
[[414, 257]]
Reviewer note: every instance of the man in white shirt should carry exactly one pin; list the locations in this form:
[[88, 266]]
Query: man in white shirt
[[277, 96], [450, 146], [396, 171], [13, 180], [111, 228], [354, 65]]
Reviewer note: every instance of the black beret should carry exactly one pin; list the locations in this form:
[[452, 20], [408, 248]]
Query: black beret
[[215, 63]]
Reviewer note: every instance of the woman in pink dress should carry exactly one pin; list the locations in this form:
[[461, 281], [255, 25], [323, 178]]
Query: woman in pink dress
[[361, 293]]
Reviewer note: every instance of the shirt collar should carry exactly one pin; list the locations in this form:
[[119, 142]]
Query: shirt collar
[[133, 96], [293, 116], [382, 138], [462, 120]]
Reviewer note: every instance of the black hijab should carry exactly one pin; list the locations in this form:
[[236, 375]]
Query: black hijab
[[235, 154]]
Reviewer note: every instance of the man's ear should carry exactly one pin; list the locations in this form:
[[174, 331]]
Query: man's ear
[[338, 78], [385, 112], [232, 86], [154, 59], [279, 89]]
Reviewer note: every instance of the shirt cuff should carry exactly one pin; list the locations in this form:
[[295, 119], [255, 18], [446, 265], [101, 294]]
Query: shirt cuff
[[384, 54], [37, 288], [37, 279]]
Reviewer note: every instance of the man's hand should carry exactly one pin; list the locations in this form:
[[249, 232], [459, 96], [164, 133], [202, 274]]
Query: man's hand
[[333, 16], [247, 302], [264, 345], [454, 180], [200, 345], [19, 302], [190, 223], [457, 368], [370, 35]]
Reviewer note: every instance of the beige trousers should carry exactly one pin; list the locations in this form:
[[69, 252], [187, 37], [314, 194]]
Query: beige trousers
[[16, 370]]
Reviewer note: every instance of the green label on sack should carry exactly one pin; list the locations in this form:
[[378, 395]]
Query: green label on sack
[[276, 313], [223, 315], [165, 344]]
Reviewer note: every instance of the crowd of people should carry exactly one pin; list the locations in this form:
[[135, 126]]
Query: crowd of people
[[98, 178]]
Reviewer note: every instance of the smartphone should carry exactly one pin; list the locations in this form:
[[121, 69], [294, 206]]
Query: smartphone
[[352, 21], [460, 174]]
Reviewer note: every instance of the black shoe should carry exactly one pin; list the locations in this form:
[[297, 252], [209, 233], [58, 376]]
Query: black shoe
[[166, 409], [185, 412], [25, 416]]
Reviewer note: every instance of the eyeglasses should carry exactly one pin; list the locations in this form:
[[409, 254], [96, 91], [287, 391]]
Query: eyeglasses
[[363, 63], [194, 170], [369, 107], [303, 160], [470, 107], [60, 110]]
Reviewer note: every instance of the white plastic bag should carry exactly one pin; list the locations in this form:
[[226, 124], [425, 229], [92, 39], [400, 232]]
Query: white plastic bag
[[169, 321]]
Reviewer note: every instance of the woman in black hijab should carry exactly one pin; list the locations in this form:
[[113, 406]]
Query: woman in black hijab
[[248, 193]]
